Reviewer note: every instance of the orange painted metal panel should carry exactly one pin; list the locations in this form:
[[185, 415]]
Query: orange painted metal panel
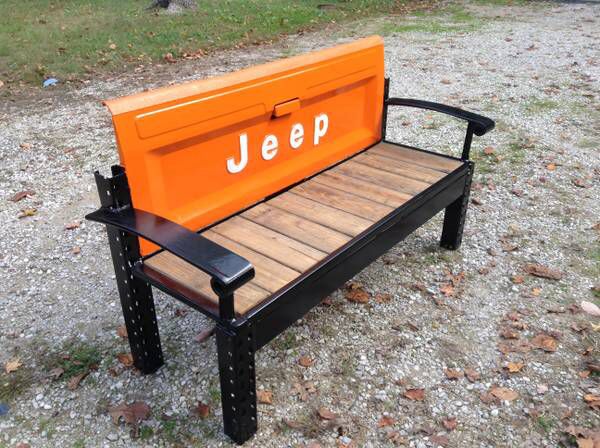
[[198, 152]]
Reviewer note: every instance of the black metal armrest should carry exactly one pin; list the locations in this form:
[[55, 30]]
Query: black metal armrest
[[478, 124], [228, 270]]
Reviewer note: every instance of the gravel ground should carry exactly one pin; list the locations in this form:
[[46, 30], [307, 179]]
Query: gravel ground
[[535, 69]]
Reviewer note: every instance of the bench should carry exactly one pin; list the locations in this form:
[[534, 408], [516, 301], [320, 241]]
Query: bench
[[252, 196]]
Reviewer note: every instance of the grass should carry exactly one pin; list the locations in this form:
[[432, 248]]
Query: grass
[[539, 105], [80, 358], [71, 39], [545, 422], [447, 20]]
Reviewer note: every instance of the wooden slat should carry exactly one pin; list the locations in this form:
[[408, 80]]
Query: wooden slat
[[333, 218], [362, 189], [184, 273], [343, 200], [300, 229], [272, 274], [281, 248], [383, 178], [417, 157], [400, 167]]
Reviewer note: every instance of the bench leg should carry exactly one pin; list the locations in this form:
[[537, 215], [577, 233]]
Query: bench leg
[[454, 217], [137, 304], [238, 388]]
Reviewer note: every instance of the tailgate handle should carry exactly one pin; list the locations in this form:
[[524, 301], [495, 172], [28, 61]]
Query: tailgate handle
[[287, 107]]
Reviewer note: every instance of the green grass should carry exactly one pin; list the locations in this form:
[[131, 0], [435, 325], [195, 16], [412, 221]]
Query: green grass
[[447, 20], [71, 39], [146, 432], [546, 423], [79, 443], [80, 358], [539, 105]]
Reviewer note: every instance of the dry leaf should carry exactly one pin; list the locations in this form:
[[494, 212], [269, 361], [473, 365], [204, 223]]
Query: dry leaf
[[264, 396], [326, 414], [450, 423], [504, 393], [439, 440], [76, 250], [518, 279], [446, 81], [72, 225], [122, 331], [306, 361], [356, 293], [507, 333], [21, 195], [551, 167], [112, 46], [415, 394], [73, 383], [487, 398], [580, 183], [202, 410], [472, 375], [544, 342], [488, 150], [453, 374], [514, 367], [25, 145], [539, 270], [590, 308], [126, 359], [56, 373], [26, 212], [130, 413], [382, 297], [592, 400], [447, 289], [385, 420], [13, 365], [204, 334]]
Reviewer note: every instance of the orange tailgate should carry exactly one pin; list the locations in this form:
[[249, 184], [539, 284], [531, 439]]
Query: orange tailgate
[[201, 151]]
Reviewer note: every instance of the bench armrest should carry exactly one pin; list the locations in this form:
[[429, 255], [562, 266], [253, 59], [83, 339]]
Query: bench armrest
[[228, 270], [478, 124]]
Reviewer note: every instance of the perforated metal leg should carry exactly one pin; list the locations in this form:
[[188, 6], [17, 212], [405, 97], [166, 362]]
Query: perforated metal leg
[[455, 215], [238, 387], [137, 304], [136, 294]]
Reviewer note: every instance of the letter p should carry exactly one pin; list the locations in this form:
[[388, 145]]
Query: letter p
[[321, 125]]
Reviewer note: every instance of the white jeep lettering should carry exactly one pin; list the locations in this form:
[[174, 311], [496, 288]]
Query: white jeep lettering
[[321, 125], [270, 144], [269, 147], [296, 136], [234, 167]]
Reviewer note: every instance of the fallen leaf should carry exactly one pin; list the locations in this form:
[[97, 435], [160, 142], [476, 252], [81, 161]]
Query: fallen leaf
[[21, 195], [446, 81], [204, 334], [326, 414], [488, 150], [73, 383], [76, 250], [439, 440], [356, 293], [514, 367], [507, 333], [201, 409], [13, 365], [122, 331], [26, 212], [450, 423], [415, 394], [592, 400], [130, 413], [306, 361], [25, 145], [168, 57], [126, 359], [292, 424], [112, 46], [518, 279], [447, 289], [264, 396], [453, 374], [544, 342], [551, 167], [539, 270], [580, 183], [385, 420], [504, 393], [56, 373], [487, 398], [590, 308], [472, 375], [383, 297], [536, 292], [584, 374]]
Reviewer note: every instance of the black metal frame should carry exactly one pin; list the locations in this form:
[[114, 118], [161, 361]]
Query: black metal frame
[[239, 338]]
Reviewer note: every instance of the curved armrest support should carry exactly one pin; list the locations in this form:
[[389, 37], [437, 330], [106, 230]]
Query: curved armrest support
[[228, 270], [480, 124]]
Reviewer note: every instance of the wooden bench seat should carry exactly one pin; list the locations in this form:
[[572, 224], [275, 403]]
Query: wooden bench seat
[[285, 236]]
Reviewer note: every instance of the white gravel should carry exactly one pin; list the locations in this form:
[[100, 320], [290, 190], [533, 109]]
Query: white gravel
[[535, 69]]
